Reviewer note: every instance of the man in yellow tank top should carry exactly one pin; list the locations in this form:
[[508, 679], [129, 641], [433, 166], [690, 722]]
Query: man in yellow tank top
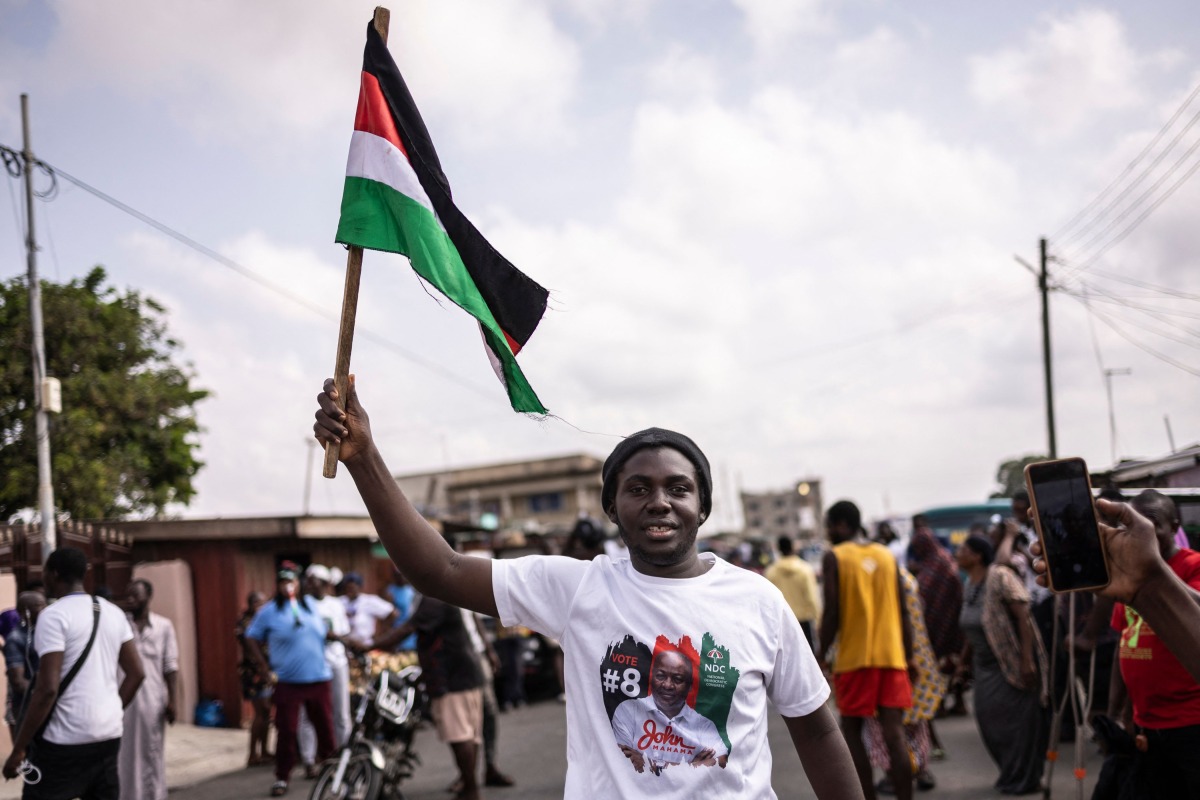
[[863, 604]]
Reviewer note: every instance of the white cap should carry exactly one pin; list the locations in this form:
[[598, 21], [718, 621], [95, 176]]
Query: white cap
[[319, 572], [335, 576]]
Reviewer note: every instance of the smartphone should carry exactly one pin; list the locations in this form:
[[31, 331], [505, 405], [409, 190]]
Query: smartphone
[[1064, 513]]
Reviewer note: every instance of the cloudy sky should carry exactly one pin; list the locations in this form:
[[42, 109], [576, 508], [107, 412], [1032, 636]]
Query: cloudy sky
[[785, 228]]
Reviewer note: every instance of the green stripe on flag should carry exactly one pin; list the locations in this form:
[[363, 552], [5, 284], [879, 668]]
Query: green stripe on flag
[[377, 217]]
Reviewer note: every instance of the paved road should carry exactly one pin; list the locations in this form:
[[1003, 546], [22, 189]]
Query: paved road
[[533, 751]]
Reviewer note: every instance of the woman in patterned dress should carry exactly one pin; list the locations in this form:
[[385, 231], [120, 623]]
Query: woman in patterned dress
[[928, 688]]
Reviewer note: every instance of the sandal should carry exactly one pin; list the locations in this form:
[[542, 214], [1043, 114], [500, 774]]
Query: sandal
[[279, 788]]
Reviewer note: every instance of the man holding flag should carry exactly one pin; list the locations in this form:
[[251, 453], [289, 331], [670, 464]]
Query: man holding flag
[[657, 489]]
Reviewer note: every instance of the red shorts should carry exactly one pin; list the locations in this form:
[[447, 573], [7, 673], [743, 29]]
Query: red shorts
[[860, 692]]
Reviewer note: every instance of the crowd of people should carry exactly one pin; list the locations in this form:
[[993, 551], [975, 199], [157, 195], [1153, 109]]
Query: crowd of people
[[298, 649], [672, 652], [676, 653], [903, 637]]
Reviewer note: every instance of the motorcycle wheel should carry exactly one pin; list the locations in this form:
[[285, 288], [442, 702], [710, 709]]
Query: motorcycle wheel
[[361, 781]]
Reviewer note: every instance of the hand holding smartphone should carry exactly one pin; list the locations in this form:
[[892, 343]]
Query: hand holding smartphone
[[1064, 514]]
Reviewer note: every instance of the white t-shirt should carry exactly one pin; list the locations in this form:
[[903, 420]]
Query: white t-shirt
[[90, 709], [744, 644], [331, 609], [363, 613]]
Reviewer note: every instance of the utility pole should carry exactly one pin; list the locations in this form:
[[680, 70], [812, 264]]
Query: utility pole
[[1044, 286], [1112, 416], [42, 422]]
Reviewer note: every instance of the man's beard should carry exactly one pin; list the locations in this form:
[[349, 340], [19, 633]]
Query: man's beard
[[668, 559]]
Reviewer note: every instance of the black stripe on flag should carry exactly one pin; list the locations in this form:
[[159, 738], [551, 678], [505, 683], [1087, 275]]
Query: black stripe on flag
[[516, 300]]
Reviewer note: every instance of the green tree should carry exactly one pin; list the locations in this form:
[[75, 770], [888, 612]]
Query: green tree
[[125, 443], [1011, 475]]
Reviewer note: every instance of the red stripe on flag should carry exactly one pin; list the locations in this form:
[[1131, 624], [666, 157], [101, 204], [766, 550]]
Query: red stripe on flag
[[513, 344], [373, 114]]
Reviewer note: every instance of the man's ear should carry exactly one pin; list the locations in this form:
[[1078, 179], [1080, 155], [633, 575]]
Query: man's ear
[[703, 517], [611, 513]]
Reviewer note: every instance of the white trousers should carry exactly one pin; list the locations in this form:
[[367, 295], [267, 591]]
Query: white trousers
[[339, 690]]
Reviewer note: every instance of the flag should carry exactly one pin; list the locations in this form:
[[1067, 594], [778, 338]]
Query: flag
[[397, 199]]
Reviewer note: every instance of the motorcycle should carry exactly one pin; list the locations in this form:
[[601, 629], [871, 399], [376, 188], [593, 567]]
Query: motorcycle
[[379, 754]]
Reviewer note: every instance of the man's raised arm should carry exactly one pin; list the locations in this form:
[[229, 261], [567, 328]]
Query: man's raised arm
[[417, 550]]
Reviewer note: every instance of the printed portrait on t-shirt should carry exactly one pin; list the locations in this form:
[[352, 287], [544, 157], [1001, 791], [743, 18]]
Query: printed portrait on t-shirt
[[669, 705]]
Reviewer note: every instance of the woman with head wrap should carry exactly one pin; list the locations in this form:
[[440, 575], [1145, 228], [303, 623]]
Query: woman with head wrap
[[1009, 663], [941, 592]]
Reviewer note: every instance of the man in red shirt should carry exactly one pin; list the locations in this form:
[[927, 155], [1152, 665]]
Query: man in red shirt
[[1163, 697]]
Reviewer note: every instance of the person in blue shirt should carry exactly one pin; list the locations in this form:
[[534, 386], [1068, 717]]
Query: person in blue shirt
[[295, 635], [20, 659], [404, 598]]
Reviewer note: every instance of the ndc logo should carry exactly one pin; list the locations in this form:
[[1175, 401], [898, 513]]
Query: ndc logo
[[715, 654]]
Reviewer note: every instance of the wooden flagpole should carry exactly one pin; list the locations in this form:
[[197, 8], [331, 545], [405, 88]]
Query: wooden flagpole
[[354, 257]]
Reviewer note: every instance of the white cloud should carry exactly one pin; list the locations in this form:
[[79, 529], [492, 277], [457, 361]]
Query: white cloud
[[781, 167], [1069, 70], [261, 74], [772, 23], [682, 73], [871, 56]]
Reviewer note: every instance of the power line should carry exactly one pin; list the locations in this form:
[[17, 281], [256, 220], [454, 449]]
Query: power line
[[1061, 232], [1112, 276], [1133, 185], [1097, 294], [1125, 301], [249, 274], [1134, 206], [1169, 336], [879, 335], [1145, 348]]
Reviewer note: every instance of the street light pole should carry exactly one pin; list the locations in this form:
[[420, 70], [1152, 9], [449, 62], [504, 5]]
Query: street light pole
[[41, 420], [1112, 416]]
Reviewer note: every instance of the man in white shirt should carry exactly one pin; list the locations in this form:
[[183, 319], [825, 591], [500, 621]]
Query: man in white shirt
[[329, 608], [81, 707], [612, 615], [365, 612]]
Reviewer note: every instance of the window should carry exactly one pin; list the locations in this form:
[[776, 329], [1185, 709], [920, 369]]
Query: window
[[547, 501]]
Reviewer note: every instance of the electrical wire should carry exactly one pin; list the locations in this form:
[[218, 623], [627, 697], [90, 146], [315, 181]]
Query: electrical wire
[[1137, 203], [1062, 232], [888, 333], [1145, 348], [1112, 276], [249, 274], [1169, 336], [1151, 310], [1193, 341], [1136, 182]]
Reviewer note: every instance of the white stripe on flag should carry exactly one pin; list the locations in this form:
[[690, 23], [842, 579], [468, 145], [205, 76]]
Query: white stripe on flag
[[497, 367], [375, 158]]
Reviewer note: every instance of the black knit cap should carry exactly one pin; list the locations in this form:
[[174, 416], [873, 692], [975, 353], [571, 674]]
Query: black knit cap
[[649, 439]]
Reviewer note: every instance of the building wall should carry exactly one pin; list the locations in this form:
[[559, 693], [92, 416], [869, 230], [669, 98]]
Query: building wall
[[1184, 479], [174, 598], [550, 492], [787, 512]]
